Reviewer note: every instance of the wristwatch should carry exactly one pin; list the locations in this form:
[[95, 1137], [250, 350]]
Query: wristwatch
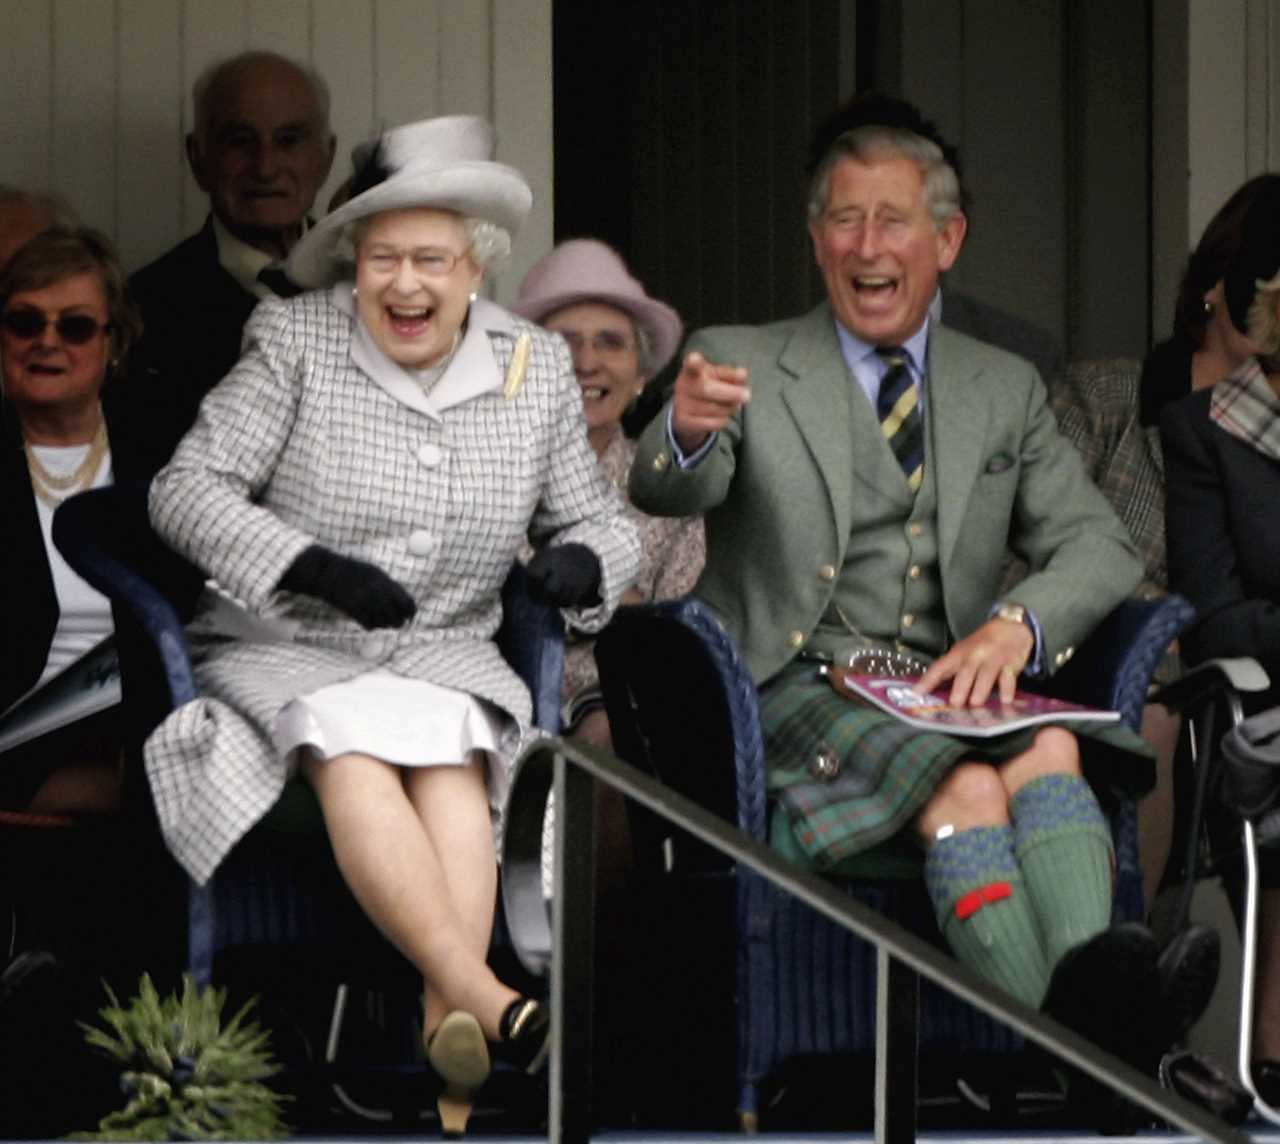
[[1014, 613]]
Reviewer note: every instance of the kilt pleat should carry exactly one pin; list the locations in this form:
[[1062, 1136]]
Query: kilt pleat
[[886, 769]]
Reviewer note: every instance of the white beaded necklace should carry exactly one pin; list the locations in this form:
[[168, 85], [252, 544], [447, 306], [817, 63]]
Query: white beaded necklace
[[53, 488]]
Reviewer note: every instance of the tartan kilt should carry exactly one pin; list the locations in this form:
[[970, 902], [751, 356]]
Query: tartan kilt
[[887, 770]]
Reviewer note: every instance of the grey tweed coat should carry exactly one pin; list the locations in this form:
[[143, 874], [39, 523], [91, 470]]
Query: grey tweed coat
[[316, 437]]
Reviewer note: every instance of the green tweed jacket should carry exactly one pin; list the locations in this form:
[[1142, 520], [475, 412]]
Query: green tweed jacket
[[783, 488]]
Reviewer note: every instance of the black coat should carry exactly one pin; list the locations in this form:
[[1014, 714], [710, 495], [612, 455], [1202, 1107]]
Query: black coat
[[193, 315], [1223, 525], [30, 612]]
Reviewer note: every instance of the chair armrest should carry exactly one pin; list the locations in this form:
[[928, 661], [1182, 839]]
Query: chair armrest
[[681, 703], [531, 639], [1113, 668], [1213, 677], [105, 535]]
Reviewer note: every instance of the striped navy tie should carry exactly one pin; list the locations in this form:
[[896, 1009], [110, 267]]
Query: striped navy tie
[[898, 406]]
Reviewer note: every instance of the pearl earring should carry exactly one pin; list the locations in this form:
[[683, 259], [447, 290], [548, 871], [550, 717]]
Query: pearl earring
[[355, 293], [1208, 307], [474, 295]]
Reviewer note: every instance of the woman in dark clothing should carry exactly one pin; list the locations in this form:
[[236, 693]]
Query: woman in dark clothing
[[1222, 460], [1110, 410], [65, 324]]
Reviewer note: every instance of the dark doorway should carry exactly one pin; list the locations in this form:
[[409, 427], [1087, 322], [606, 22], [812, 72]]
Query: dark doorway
[[680, 134], [681, 127]]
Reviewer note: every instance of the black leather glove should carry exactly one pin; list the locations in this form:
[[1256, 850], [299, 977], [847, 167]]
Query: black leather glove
[[566, 575], [362, 590]]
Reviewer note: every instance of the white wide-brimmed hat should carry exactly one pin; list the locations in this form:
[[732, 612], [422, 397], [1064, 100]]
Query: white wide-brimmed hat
[[443, 163], [587, 270]]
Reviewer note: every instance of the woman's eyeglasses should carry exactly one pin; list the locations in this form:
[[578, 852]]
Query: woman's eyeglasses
[[74, 329], [429, 261], [604, 342]]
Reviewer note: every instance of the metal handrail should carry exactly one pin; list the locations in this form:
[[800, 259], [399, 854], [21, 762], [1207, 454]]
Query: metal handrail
[[559, 942]]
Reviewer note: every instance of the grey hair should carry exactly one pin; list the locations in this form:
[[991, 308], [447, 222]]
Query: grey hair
[[212, 75], [53, 204], [941, 186], [488, 243], [646, 348], [1261, 322]]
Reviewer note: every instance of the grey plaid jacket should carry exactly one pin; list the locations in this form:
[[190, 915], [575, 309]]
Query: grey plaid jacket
[[315, 437], [1096, 403]]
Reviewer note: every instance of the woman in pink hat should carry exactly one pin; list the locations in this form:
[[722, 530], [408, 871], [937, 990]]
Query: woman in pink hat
[[620, 339]]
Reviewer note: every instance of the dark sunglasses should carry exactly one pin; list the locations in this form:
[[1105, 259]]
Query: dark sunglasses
[[74, 329]]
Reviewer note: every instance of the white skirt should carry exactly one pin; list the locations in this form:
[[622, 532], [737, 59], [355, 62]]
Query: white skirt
[[407, 722]]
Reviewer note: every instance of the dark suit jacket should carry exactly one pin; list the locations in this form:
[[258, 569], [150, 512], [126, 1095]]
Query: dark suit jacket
[[193, 315], [970, 316], [29, 613], [1223, 533]]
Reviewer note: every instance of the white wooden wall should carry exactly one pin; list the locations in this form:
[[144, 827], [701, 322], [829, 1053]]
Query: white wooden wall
[[1233, 100], [97, 94]]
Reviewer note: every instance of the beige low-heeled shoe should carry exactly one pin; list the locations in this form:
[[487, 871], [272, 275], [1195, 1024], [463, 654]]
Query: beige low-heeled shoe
[[459, 1053]]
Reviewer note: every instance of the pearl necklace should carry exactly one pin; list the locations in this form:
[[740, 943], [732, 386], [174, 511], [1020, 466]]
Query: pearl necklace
[[54, 488]]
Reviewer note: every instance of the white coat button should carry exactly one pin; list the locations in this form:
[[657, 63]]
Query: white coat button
[[371, 647], [827, 572], [914, 572], [907, 619], [430, 455], [916, 529], [661, 461], [795, 639], [422, 542]]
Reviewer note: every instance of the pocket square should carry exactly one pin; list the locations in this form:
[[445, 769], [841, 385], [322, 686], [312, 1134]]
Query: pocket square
[[998, 463]]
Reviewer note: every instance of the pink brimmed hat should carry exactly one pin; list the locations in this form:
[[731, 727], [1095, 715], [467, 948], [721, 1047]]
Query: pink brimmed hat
[[587, 270]]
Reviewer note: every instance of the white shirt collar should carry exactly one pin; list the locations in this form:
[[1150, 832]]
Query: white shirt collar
[[242, 261], [855, 350]]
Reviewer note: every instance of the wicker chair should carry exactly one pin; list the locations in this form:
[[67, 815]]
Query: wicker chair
[[682, 706]]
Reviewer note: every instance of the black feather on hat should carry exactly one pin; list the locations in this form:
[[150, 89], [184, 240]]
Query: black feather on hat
[[371, 170]]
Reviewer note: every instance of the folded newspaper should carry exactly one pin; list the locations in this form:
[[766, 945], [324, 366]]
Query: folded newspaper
[[932, 712], [84, 687]]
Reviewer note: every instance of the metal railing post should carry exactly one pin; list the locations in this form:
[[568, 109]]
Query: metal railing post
[[897, 1038], [573, 956], [899, 951]]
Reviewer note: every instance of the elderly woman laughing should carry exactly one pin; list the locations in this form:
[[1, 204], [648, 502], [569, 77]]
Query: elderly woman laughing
[[360, 484]]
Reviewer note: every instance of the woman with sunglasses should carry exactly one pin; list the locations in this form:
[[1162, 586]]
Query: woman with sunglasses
[[65, 324]]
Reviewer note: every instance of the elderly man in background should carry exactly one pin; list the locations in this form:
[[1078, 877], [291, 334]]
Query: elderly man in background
[[862, 470], [260, 149]]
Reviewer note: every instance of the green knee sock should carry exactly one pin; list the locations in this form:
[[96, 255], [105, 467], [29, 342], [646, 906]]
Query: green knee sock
[[1063, 846], [997, 936]]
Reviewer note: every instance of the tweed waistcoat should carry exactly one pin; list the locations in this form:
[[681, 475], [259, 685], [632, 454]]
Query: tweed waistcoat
[[889, 587]]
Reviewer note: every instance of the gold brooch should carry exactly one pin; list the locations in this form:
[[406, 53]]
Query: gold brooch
[[515, 371]]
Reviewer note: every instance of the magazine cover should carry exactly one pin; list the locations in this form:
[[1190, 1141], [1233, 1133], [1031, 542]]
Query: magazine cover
[[897, 696], [84, 687]]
